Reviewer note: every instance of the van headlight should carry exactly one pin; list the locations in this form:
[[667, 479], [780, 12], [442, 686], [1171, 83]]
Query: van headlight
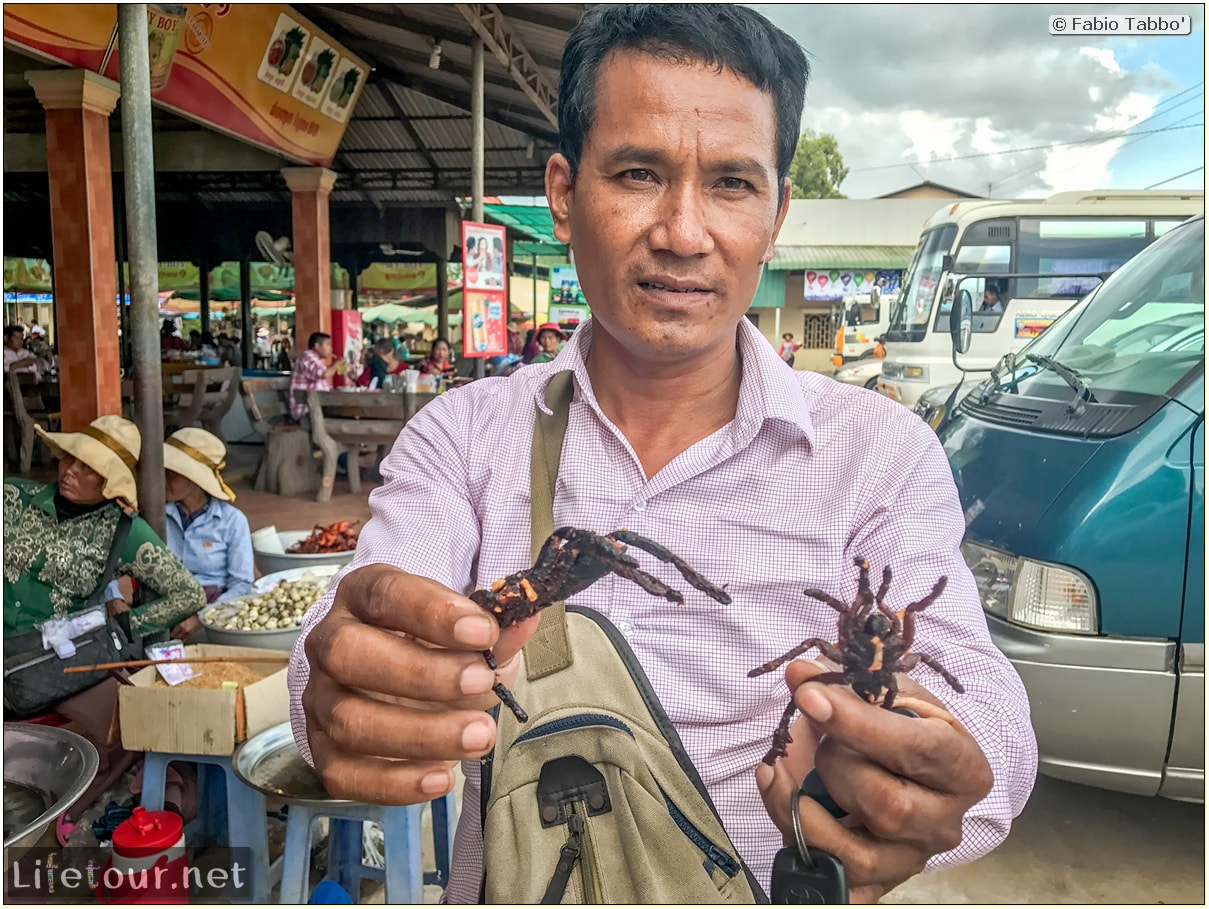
[[1033, 594], [915, 372]]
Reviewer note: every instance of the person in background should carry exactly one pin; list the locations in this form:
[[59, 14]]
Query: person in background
[[169, 338], [207, 347], [57, 540], [788, 348], [530, 348], [515, 345], [312, 372], [992, 300], [438, 362], [206, 531], [549, 336], [382, 363], [36, 330], [16, 357]]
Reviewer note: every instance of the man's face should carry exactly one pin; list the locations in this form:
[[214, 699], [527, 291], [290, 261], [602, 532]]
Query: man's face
[[675, 205], [14, 341], [989, 297], [324, 348]]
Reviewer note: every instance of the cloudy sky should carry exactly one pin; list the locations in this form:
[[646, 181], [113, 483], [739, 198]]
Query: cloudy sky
[[911, 92]]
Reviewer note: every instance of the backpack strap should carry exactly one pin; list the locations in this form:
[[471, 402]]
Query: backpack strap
[[547, 651]]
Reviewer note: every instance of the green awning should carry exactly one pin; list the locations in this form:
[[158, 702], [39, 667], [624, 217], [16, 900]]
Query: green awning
[[771, 292], [796, 258]]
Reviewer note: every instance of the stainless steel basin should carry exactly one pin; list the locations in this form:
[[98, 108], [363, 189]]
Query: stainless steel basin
[[45, 770]]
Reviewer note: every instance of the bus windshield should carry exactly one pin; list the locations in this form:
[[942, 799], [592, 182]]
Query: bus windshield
[[909, 321], [1137, 337]]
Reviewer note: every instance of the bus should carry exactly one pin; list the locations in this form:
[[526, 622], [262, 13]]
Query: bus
[[1017, 265]]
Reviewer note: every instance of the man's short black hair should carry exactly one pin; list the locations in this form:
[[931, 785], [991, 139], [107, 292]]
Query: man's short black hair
[[317, 338], [724, 36], [10, 330]]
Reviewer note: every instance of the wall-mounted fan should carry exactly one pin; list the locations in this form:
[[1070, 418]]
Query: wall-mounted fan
[[275, 251]]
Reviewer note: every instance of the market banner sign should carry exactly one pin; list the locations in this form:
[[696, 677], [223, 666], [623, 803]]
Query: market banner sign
[[256, 71], [171, 275], [401, 278], [27, 275], [835, 284], [485, 281]]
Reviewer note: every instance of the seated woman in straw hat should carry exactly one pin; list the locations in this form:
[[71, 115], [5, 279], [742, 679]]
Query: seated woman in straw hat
[[208, 533], [57, 536]]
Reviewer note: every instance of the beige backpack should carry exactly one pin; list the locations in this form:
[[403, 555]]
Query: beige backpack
[[594, 800]]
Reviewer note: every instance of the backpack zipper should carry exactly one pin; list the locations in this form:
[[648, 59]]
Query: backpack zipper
[[578, 721], [574, 851], [712, 852]]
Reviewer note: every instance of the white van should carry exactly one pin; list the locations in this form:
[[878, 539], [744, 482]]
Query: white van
[[1017, 265]]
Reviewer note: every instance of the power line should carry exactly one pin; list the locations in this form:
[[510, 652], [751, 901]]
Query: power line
[[1136, 137], [1176, 177], [1033, 170], [1006, 151]]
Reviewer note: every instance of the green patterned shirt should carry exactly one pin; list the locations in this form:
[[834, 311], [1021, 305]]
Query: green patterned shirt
[[52, 567]]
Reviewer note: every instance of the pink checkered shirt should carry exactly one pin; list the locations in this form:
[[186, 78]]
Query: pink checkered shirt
[[309, 375], [808, 474]]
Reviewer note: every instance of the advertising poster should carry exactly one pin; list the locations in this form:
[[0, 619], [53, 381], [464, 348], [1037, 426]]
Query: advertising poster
[[835, 284], [256, 71], [484, 330], [564, 288], [568, 316], [1031, 328]]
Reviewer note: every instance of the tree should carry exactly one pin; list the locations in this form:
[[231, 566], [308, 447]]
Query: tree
[[818, 167]]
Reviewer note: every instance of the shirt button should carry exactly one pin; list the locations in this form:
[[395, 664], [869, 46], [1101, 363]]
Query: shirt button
[[626, 629], [640, 505]]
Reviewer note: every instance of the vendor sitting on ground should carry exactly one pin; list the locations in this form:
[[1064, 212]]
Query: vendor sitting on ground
[[382, 363], [438, 361], [207, 533], [57, 540]]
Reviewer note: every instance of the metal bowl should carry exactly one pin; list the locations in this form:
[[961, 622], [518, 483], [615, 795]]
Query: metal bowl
[[270, 638], [272, 562], [270, 762], [45, 770], [320, 574]]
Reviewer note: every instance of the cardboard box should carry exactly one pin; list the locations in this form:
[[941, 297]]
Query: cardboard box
[[196, 721]]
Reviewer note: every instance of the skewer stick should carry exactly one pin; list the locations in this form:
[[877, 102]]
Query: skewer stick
[[131, 664]]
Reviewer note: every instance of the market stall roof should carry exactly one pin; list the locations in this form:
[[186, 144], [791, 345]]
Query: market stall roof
[[531, 221], [793, 258]]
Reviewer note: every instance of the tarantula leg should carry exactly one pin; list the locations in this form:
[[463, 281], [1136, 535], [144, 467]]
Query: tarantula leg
[[666, 555], [828, 650], [941, 671], [649, 583], [885, 588], [907, 614], [891, 692], [826, 598], [781, 738], [501, 692]]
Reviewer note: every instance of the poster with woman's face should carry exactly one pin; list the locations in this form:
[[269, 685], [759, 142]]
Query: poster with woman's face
[[483, 256]]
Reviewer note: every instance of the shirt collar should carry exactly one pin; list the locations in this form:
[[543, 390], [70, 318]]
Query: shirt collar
[[768, 390]]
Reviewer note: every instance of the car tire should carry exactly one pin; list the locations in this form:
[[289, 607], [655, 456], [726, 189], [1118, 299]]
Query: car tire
[[872, 383]]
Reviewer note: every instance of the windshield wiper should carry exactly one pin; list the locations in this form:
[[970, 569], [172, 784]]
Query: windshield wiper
[[1071, 378], [1006, 364]]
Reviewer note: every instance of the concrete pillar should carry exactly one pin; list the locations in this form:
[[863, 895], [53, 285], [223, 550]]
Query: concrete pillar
[[78, 105], [309, 191]]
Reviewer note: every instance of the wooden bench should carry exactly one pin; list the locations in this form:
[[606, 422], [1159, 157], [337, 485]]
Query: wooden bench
[[23, 409], [344, 422], [287, 465]]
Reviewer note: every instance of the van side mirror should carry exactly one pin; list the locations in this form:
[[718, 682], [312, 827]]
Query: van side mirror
[[961, 321], [946, 263]]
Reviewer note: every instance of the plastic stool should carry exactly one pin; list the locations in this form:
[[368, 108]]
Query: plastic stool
[[230, 813], [401, 831]]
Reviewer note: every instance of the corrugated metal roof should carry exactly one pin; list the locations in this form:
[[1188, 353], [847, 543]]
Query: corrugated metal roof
[[794, 258]]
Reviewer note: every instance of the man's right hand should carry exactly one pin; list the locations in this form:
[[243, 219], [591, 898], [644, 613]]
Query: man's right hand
[[398, 686]]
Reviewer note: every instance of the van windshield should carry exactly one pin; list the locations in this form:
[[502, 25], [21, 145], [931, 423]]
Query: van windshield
[[909, 320], [1138, 336]]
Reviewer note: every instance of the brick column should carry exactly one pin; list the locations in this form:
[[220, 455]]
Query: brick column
[[78, 104], [309, 191]]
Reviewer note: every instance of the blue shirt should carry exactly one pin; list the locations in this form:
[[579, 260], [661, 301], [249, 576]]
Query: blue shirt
[[214, 544]]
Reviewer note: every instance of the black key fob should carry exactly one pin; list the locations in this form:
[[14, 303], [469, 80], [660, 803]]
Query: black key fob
[[813, 784], [797, 883]]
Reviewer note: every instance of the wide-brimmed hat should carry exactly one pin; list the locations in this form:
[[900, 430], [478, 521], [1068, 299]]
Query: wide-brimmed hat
[[109, 445], [199, 457], [550, 326]]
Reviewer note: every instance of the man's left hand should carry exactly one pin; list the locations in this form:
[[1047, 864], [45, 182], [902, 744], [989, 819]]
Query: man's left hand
[[906, 783]]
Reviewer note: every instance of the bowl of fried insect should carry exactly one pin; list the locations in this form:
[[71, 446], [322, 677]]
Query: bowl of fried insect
[[334, 544]]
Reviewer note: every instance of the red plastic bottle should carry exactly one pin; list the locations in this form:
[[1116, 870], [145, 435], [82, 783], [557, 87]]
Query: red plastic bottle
[[147, 863]]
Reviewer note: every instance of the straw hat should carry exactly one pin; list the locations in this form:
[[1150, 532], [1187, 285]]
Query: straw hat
[[199, 456], [110, 446]]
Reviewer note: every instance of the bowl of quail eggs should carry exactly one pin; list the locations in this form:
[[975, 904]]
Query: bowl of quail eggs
[[269, 618]]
